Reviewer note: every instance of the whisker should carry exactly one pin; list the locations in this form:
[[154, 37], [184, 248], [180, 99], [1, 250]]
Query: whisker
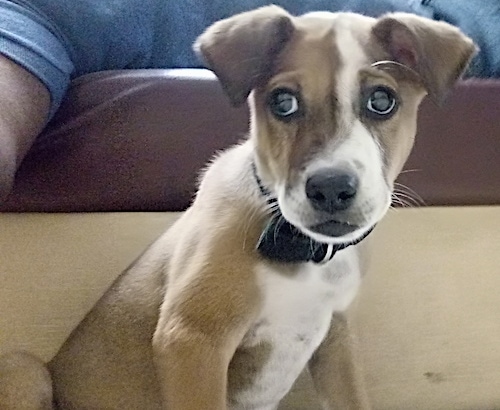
[[311, 247], [405, 171], [410, 191], [281, 221], [400, 202], [403, 191], [250, 217], [406, 198], [270, 207], [405, 203], [410, 199]]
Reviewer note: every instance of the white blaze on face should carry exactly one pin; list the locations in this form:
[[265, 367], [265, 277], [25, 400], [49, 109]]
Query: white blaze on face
[[358, 147], [359, 152]]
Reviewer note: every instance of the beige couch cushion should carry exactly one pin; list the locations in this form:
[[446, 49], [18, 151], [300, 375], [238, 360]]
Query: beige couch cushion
[[429, 313], [54, 267], [427, 318]]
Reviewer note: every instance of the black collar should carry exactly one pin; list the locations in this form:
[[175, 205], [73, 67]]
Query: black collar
[[282, 242]]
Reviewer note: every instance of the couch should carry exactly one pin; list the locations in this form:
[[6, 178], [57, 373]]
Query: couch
[[120, 161]]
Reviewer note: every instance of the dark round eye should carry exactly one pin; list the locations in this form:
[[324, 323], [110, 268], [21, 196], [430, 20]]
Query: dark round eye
[[381, 103], [283, 103]]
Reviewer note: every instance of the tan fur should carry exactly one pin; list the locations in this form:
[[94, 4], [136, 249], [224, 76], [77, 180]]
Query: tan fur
[[172, 331], [335, 371], [197, 333], [24, 383]]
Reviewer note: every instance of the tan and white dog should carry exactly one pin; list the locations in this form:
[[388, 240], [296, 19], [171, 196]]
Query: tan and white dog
[[248, 287]]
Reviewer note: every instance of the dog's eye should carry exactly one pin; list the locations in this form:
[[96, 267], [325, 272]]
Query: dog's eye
[[283, 103], [381, 103]]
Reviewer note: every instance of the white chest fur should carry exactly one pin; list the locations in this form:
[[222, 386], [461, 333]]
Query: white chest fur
[[296, 312]]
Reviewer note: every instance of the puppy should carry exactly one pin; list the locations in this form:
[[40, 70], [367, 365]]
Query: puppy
[[249, 286]]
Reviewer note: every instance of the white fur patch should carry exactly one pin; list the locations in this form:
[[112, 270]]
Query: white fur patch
[[295, 317]]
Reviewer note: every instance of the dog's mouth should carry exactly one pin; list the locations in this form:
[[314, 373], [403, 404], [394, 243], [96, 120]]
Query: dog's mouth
[[283, 242], [334, 229]]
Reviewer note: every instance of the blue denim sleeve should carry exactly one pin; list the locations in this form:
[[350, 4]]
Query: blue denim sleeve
[[58, 40], [25, 39], [480, 19]]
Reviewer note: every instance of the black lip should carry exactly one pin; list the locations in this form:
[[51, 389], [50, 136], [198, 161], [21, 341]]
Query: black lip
[[334, 228]]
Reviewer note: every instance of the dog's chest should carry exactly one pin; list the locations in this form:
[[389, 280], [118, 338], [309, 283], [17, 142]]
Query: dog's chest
[[296, 313]]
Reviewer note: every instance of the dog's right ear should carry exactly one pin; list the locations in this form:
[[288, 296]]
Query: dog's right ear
[[437, 51], [240, 50]]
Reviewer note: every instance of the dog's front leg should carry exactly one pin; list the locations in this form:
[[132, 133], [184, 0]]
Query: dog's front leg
[[334, 370], [200, 325], [192, 371]]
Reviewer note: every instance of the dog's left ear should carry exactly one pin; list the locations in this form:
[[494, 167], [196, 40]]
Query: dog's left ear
[[241, 49], [437, 51]]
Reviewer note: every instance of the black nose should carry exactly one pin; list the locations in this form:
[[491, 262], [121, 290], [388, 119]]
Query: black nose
[[332, 190]]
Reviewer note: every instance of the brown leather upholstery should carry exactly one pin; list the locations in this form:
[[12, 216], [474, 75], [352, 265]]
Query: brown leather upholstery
[[136, 140], [457, 150]]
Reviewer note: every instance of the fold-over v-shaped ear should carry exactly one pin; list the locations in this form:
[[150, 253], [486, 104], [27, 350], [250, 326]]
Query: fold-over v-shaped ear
[[437, 51], [241, 49]]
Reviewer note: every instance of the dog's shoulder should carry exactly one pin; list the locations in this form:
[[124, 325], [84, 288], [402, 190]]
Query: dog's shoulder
[[229, 178]]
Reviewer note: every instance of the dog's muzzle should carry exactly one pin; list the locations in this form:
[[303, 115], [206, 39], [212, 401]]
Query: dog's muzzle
[[282, 242]]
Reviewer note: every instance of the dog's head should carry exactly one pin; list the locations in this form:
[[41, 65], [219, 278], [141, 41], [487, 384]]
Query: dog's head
[[334, 99]]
